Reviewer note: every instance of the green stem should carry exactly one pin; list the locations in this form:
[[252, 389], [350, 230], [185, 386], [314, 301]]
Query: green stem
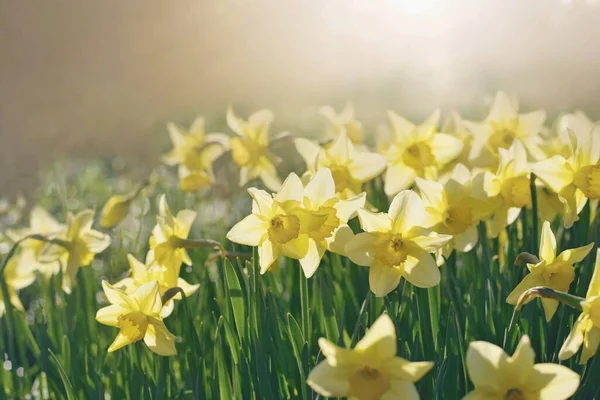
[[534, 222]]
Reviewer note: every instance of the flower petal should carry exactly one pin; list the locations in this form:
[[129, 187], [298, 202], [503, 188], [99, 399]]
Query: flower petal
[[529, 281], [445, 147], [159, 340], [347, 209], [406, 211], [292, 189], [148, 299], [421, 270], [267, 255], [249, 231], [309, 151], [110, 315], [120, 341], [573, 256], [366, 166], [547, 243], [358, 249], [401, 389], [330, 381], [594, 288], [310, 262], [379, 342], [398, 177], [484, 361], [383, 279], [553, 381], [374, 222], [320, 188], [119, 297], [555, 172], [431, 242]]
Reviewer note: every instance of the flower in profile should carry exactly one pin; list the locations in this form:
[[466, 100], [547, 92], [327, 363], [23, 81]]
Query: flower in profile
[[506, 191], [350, 167], [78, 246], [141, 273], [168, 242], [250, 148], [343, 122], [498, 376], [369, 371], [417, 151], [586, 331], [138, 317], [499, 130], [395, 245], [194, 151], [575, 179], [117, 207], [18, 274], [555, 272], [323, 218], [451, 209], [274, 225]]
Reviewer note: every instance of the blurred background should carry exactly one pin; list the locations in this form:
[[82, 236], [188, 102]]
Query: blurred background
[[90, 79]]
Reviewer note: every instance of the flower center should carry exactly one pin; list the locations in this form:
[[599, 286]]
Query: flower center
[[515, 394], [246, 152], [458, 219], [368, 384], [516, 192], [587, 180], [501, 139], [341, 177], [418, 156], [283, 228], [390, 249], [133, 325]]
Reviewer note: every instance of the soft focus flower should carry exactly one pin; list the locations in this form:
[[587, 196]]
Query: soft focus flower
[[498, 376], [577, 178], [138, 317], [370, 371], [502, 126], [586, 330], [417, 151], [320, 201], [455, 126], [555, 272], [141, 273], [250, 148], [396, 245], [343, 122], [115, 210], [350, 167], [18, 274], [506, 191], [274, 225]]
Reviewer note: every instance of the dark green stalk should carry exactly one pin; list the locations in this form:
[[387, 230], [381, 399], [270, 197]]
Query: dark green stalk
[[534, 222]]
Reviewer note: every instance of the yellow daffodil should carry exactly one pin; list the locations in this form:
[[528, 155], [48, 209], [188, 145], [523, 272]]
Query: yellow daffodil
[[250, 148], [350, 168], [456, 127], [396, 245], [332, 234], [18, 274], [502, 126], [274, 225], [498, 376], [141, 273], [586, 330], [343, 122], [555, 272], [80, 244], [506, 191], [138, 317], [575, 179], [417, 151], [115, 210], [451, 209], [169, 237], [369, 371], [548, 202]]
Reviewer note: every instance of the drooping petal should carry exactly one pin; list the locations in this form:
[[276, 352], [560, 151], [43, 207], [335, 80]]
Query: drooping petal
[[380, 340], [547, 243], [406, 211], [383, 279], [550, 307], [421, 270], [267, 255], [310, 262], [250, 231], [554, 382], [159, 339]]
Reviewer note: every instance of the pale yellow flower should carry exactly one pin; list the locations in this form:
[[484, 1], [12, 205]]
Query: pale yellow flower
[[18, 274], [498, 376], [141, 274], [575, 179], [369, 371], [343, 122], [138, 318], [555, 272], [350, 167], [395, 245], [499, 130], [455, 126], [250, 148], [417, 151], [586, 331]]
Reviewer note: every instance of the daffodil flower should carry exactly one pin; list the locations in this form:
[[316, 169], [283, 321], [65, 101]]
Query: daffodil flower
[[577, 178], [451, 209], [331, 234], [275, 224], [18, 274], [117, 207], [498, 376], [395, 245], [343, 122], [456, 127], [555, 272], [502, 126], [350, 168], [250, 148], [79, 245], [417, 151], [138, 317], [369, 371], [586, 331], [141, 273], [506, 191]]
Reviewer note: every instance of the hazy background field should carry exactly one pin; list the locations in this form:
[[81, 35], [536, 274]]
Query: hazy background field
[[100, 78]]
